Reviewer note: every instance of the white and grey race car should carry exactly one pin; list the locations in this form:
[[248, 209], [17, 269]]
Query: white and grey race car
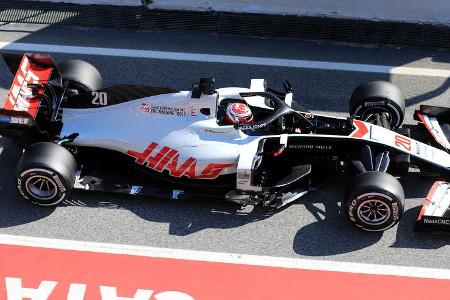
[[248, 145]]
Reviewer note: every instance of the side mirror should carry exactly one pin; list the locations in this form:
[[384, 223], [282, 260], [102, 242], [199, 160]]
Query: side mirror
[[205, 86]]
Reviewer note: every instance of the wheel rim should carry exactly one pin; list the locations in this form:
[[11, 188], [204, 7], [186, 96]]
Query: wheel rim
[[374, 211], [41, 187]]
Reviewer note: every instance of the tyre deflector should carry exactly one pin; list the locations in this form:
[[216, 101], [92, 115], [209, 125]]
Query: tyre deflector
[[296, 173]]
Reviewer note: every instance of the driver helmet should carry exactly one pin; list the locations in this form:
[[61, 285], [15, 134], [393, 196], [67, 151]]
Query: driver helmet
[[238, 113]]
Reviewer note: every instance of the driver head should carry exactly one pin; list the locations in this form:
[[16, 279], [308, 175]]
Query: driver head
[[238, 113]]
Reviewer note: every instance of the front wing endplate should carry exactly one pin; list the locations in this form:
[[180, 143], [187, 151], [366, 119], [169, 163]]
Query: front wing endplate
[[435, 214]]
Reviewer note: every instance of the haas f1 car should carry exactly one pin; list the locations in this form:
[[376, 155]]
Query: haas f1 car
[[252, 146]]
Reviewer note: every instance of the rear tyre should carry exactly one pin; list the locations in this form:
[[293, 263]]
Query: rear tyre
[[374, 201], [46, 174], [82, 76], [378, 102]]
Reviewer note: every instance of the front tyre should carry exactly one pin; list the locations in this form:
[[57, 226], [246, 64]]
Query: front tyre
[[378, 102], [374, 201], [46, 174]]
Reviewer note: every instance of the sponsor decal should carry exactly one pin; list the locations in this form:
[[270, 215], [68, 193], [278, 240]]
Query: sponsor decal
[[21, 121], [252, 127], [425, 151], [375, 103], [351, 208], [20, 97], [135, 190], [15, 120], [311, 147], [436, 221], [395, 214], [430, 153], [5, 119], [168, 110], [421, 151], [243, 181], [59, 183], [145, 108], [169, 159], [177, 194], [224, 132], [190, 111], [19, 188], [243, 178]]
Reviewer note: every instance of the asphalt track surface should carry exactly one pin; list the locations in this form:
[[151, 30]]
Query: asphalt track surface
[[310, 228]]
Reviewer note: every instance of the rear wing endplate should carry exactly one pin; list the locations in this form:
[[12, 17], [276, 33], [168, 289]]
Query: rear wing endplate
[[29, 68]]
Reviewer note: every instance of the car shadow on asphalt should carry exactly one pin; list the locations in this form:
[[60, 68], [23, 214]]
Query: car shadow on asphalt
[[15, 210], [332, 235], [201, 214], [183, 216], [417, 186], [407, 238]]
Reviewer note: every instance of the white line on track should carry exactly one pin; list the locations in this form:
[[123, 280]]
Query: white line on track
[[227, 59], [231, 258]]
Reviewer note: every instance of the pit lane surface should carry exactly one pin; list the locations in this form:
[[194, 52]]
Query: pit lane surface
[[311, 228]]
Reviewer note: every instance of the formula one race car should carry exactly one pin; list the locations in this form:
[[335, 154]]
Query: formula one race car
[[248, 145]]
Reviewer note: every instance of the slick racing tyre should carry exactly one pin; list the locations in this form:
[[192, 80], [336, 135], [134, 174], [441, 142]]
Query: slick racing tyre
[[378, 102], [46, 174], [374, 201], [82, 76]]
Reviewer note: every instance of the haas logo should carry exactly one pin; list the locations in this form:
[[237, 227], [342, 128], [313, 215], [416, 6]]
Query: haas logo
[[24, 75], [168, 159], [20, 97]]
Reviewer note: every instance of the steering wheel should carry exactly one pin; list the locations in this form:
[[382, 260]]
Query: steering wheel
[[280, 110]]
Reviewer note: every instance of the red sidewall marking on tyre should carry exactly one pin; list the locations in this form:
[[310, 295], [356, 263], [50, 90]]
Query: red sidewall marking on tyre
[[199, 279]]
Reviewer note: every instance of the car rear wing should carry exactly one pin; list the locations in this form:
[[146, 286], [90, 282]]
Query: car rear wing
[[29, 69], [437, 121]]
